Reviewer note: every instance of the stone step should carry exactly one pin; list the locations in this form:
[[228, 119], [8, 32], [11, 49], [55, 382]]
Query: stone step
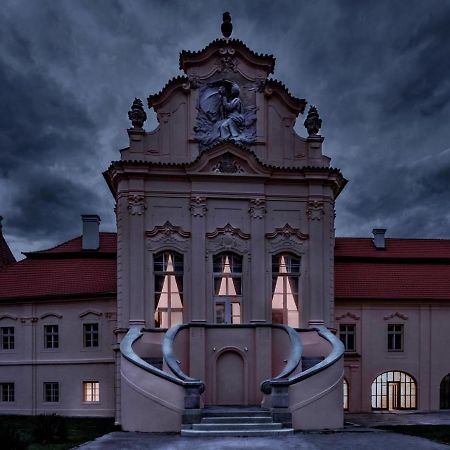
[[236, 433], [238, 419], [236, 426], [235, 413]]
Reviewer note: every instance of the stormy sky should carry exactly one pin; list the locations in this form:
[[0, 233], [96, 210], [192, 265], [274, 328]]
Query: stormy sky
[[378, 71]]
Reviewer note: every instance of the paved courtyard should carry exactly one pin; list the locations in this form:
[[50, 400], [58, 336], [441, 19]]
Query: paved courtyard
[[356, 435]]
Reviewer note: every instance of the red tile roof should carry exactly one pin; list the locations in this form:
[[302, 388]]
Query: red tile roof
[[405, 269], [63, 271]]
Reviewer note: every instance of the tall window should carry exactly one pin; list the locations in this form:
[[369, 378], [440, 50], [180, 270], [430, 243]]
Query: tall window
[[91, 391], [395, 337], [444, 392], [394, 390], [51, 392], [7, 338], [345, 388], [347, 333], [51, 336], [7, 392], [90, 335], [168, 269], [285, 273], [227, 268]]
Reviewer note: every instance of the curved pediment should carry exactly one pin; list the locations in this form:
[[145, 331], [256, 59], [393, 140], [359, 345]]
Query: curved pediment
[[228, 159]]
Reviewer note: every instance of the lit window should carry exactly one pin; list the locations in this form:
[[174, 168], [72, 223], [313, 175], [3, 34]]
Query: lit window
[[347, 333], [395, 337], [7, 392], [7, 338], [168, 269], [51, 336], [91, 391], [444, 392], [345, 388], [285, 273], [394, 390], [90, 335], [227, 268], [51, 392]]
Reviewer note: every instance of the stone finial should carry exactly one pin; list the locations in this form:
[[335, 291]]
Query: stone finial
[[137, 114], [313, 122], [227, 26]]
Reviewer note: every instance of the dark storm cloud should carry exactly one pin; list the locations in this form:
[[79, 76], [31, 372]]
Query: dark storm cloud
[[378, 72]]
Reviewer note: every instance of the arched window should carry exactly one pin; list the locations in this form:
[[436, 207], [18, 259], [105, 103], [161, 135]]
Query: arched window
[[285, 273], [444, 392], [394, 390], [345, 389], [168, 269], [227, 268]]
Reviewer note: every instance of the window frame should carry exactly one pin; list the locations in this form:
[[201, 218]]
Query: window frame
[[51, 334], [285, 281], [346, 334], [392, 335], [54, 394], [94, 389], [92, 334], [165, 273], [9, 398], [8, 337]]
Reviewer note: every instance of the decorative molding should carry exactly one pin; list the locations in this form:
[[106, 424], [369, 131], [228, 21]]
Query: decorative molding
[[315, 210], [28, 319], [90, 311], [227, 164], [198, 206], [8, 316], [44, 316], [349, 315], [396, 314], [167, 235], [136, 204], [257, 208], [228, 238], [286, 239], [228, 230]]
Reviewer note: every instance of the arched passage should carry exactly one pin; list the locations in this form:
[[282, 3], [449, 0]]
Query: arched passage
[[394, 390], [444, 392]]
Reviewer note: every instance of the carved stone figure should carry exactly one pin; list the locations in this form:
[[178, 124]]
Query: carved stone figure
[[313, 122], [137, 115], [221, 115]]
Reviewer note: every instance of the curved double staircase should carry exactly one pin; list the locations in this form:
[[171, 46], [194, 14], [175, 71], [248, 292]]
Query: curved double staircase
[[303, 390]]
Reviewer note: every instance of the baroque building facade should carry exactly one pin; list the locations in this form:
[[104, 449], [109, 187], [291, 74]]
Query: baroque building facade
[[224, 284]]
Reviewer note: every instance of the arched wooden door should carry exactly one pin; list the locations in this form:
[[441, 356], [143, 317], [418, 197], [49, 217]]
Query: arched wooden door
[[230, 379]]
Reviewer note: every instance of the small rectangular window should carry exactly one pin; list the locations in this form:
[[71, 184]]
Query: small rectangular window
[[51, 392], [7, 338], [90, 335], [51, 336], [91, 391], [7, 392], [395, 337], [347, 333]]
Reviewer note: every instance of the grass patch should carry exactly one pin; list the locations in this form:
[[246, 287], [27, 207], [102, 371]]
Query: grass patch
[[79, 430], [438, 433]]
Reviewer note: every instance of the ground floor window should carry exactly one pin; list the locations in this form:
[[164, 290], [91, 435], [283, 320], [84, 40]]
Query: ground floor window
[[285, 274], [445, 392], [168, 270], [394, 390], [51, 392], [91, 391], [7, 392], [345, 388]]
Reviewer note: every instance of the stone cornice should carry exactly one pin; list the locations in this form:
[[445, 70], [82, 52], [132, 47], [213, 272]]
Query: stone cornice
[[297, 105]]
